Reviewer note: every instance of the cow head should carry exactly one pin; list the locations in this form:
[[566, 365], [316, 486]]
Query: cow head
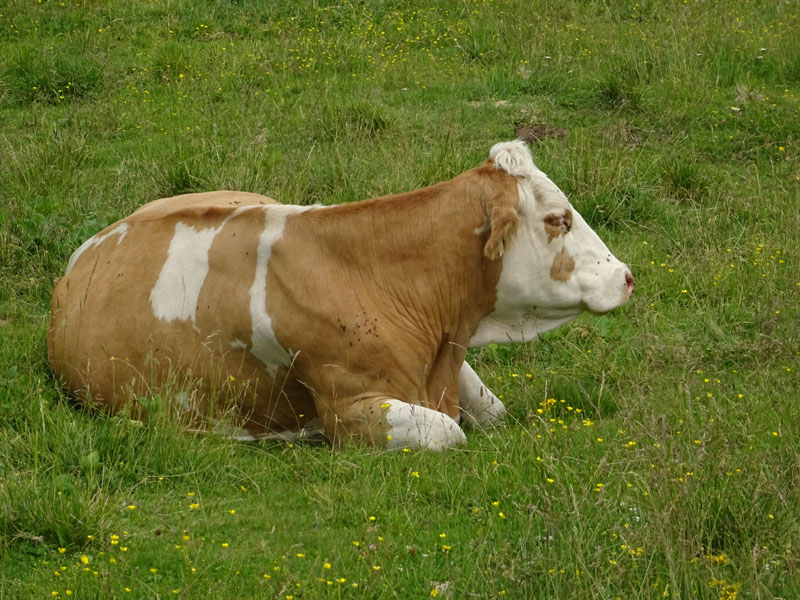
[[554, 266]]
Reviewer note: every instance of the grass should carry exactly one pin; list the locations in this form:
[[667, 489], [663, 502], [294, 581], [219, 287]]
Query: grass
[[651, 452]]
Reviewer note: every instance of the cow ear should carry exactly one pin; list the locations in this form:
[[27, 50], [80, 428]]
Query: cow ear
[[503, 221]]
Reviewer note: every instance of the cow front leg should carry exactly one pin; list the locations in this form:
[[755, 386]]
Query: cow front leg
[[414, 426], [392, 424], [479, 406]]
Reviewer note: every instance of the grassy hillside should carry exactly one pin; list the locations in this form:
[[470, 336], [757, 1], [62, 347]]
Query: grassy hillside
[[653, 452]]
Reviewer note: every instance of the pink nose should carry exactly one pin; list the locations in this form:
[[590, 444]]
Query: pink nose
[[629, 282]]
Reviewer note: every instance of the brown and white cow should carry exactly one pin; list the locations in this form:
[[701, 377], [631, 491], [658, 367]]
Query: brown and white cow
[[352, 321]]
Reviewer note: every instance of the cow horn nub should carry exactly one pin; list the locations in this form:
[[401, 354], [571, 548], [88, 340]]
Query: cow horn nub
[[514, 158]]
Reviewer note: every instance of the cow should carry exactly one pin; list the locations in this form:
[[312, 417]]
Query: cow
[[352, 321]]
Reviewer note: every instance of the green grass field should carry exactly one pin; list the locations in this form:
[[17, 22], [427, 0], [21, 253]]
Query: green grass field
[[653, 452]]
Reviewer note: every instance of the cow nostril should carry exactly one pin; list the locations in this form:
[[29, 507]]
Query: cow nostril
[[629, 282]]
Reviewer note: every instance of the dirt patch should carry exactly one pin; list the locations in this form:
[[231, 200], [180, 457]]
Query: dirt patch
[[538, 131]]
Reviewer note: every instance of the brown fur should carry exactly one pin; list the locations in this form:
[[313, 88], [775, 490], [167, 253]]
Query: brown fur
[[502, 208], [375, 300], [562, 267], [556, 225]]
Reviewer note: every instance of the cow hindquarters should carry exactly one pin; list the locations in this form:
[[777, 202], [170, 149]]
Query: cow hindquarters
[[392, 424]]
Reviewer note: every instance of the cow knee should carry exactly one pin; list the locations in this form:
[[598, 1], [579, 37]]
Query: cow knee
[[479, 406], [413, 426], [485, 414]]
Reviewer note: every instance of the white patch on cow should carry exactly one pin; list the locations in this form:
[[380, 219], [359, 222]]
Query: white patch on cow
[[177, 289], [515, 159], [175, 294], [479, 406], [602, 279], [264, 344], [482, 229], [238, 345], [413, 426], [509, 325], [530, 301], [121, 230], [517, 317]]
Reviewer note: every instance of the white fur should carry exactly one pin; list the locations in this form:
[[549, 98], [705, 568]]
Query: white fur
[[121, 230], [529, 302], [181, 279], [598, 274], [514, 158], [175, 294], [509, 324], [264, 344], [413, 426], [479, 406]]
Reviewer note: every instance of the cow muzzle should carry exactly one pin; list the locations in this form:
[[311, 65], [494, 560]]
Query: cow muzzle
[[630, 284], [609, 291]]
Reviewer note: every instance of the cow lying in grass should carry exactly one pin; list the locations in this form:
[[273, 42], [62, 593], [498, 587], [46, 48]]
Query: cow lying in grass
[[271, 320]]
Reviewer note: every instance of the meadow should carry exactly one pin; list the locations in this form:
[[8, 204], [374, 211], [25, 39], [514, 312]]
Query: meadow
[[653, 452]]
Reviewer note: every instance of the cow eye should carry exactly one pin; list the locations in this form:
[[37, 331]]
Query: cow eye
[[560, 221]]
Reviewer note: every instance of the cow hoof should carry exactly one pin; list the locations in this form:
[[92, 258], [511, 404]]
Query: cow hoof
[[412, 426]]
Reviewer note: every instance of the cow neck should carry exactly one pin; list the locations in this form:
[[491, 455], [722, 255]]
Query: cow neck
[[421, 251]]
